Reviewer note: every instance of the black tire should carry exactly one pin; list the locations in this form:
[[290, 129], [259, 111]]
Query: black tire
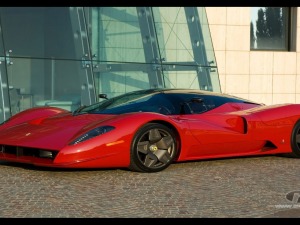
[[295, 140], [153, 149]]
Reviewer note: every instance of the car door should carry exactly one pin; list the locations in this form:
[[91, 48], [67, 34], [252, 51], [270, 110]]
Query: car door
[[222, 133]]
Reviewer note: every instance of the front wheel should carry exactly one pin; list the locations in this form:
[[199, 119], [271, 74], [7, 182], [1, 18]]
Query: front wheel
[[295, 140], [153, 149]]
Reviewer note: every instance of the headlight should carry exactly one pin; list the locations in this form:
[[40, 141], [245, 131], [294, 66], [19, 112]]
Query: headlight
[[92, 133]]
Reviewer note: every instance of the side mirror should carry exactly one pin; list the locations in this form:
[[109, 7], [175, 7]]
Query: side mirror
[[102, 96]]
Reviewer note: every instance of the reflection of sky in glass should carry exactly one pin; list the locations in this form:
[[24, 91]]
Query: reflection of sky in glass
[[254, 11]]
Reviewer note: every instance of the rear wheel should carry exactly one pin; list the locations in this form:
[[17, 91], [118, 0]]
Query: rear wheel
[[295, 140], [153, 149]]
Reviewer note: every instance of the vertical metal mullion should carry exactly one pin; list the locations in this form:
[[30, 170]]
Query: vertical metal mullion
[[198, 46], [82, 48], [150, 45]]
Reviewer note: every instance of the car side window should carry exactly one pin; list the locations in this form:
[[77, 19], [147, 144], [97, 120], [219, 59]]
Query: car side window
[[164, 106], [197, 107], [201, 103]]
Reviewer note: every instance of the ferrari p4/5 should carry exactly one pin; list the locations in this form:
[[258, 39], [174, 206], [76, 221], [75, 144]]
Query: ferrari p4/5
[[147, 130]]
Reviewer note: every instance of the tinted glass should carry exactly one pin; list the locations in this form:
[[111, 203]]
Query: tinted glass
[[46, 32], [133, 102], [163, 103], [199, 103]]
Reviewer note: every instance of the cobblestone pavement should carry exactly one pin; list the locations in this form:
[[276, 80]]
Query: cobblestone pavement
[[255, 187]]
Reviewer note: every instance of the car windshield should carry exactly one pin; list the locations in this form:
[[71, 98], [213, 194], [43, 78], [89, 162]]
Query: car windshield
[[160, 102], [140, 101]]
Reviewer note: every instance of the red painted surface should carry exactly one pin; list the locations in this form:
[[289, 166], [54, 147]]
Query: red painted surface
[[233, 129]]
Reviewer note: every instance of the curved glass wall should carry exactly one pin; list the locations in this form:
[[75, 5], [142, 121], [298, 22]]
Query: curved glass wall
[[144, 47], [66, 56]]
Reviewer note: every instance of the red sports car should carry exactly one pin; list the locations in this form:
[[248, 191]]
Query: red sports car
[[147, 130]]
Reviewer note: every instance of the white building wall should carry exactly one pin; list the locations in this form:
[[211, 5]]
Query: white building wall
[[270, 77]]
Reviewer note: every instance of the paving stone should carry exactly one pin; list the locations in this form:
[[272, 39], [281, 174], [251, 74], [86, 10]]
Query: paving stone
[[254, 187]]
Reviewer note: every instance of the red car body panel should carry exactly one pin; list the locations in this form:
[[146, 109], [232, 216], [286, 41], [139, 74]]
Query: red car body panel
[[233, 129], [224, 135]]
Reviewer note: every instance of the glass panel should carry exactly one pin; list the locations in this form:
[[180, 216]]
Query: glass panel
[[215, 80], [269, 28], [177, 28], [116, 83], [115, 34], [117, 46], [207, 41], [209, 50], [173, 34], [4, 97], [39, 82], [37, 40], [52, 60], [182, 79], [45, 32]]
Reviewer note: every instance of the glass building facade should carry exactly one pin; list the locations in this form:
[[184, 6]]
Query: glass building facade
[[66, 56]]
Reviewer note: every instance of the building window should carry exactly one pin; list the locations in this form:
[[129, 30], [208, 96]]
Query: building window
[[272, 28]]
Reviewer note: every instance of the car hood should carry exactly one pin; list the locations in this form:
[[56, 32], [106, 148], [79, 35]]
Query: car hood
[[53, 132]]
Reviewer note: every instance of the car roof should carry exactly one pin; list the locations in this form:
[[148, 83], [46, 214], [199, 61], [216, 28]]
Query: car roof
[[183, 91], [190, 91]]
